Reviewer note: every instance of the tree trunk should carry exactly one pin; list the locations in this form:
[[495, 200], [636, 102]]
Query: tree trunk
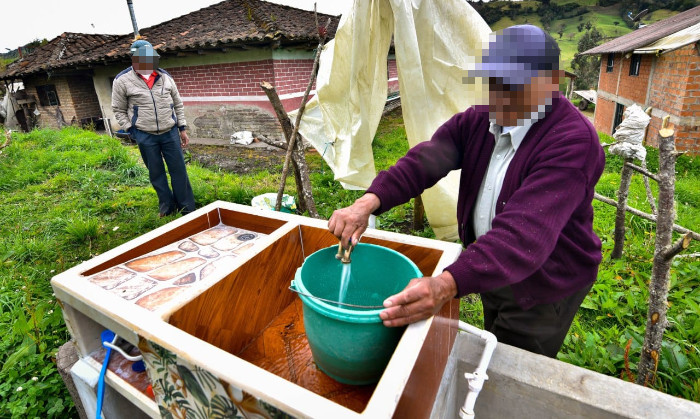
[[304, 185], [663, 255], [647, 187], [625, 180], [293, 137], [418, 213]]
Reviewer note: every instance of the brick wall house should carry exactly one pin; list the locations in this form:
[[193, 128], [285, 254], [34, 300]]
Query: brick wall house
[[217, 67], [657, 66]]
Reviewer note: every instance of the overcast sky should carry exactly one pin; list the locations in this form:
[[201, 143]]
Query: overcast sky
[[24, 21]]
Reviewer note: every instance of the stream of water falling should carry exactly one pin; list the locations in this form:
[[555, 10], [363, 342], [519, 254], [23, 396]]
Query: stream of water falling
[[345, 275]]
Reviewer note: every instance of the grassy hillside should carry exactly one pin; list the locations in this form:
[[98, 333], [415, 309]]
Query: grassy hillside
[[606, 19]]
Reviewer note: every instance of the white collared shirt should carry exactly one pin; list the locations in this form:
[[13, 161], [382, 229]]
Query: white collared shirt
[[508, 140]]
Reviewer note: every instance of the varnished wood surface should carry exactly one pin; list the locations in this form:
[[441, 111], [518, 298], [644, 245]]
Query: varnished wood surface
[[423, 383], [283, 349], [260, 224], [233, 311]]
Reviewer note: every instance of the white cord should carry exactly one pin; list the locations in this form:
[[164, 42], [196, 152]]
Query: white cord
[[121, 351]]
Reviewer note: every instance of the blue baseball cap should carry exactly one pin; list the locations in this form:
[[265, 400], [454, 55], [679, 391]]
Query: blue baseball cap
[[137, 44], [145, 51], [517, 54]]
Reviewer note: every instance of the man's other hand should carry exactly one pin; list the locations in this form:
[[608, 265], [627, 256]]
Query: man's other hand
[[184, 139], [422, 298]]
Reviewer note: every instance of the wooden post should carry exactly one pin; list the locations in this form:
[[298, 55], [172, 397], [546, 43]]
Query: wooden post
[[622, 193], [304, 183], [647, 187], [322, 32], [418, 213], [663, 255]]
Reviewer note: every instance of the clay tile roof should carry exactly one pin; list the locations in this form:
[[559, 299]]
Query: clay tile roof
[[231, 23], [63, 50], [648, 34]]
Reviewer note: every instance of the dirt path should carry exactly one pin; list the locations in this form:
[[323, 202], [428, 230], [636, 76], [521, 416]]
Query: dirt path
[[236, 158]]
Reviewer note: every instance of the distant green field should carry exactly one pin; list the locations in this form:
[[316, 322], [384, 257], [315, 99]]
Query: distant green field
[[657, 15], [602, 18]]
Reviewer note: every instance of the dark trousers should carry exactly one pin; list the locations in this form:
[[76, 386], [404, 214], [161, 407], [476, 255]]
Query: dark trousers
[[156, 148], [541, 329]]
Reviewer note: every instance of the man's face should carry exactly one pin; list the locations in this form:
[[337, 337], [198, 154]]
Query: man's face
[[144, 63], [509, 103]]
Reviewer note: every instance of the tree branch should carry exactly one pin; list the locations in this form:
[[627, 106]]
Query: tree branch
[[300, 112], [646, 216], [642, 171], [677, 247], [274, 143]]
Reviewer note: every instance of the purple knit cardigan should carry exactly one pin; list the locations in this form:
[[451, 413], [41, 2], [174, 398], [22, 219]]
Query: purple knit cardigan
[[542, 242]]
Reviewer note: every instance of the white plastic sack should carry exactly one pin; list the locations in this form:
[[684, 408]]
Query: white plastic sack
[[242, 137], [435, 43], [267, 201], [630, 134]]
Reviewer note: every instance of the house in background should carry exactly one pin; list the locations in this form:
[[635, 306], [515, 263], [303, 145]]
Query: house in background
[[656, 66], [217, 55]]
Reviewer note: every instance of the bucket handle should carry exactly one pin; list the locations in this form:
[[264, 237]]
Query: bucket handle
[[292, 288]]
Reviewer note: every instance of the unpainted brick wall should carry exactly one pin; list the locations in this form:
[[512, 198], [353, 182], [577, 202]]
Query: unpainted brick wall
[[635, 87], [604, 114], [84, 98], [675, 89], [608, 81], [47, 118]]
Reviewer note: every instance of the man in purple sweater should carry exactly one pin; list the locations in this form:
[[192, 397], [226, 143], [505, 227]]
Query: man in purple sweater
[[530, 162]]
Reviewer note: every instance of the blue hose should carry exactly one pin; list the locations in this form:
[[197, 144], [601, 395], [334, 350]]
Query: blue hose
[[106, 336]]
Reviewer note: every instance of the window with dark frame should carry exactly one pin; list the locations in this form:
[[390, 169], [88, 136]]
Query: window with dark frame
[[47, 95], [619, 112], [635, 64], [611, 63]]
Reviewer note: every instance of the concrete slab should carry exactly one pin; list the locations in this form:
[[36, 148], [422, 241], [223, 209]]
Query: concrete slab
[[534, 386]]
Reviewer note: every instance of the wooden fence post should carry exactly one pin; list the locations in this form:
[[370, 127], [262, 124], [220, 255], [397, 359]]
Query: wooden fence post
[[663, 255], [622, 193]]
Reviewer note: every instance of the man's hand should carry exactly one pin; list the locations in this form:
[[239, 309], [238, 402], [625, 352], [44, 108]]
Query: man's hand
[[184, 139], [349, 223], [422, 298]]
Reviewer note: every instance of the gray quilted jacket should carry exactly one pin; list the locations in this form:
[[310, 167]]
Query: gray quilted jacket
[[154, 110]]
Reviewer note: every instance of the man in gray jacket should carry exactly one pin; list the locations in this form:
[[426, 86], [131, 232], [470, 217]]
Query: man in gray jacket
[[147, 105]]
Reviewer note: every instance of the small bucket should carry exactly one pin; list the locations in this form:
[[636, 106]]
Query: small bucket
[[350, 344]]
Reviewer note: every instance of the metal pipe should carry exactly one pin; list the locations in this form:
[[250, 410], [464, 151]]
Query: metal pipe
[[133, 17], [477, 378]]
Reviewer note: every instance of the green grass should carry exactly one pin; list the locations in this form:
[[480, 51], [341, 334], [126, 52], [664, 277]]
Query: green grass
[[66, 196]]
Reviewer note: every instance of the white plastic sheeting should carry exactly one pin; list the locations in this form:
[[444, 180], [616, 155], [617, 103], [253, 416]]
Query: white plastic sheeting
[[630, 134], [436, 42]]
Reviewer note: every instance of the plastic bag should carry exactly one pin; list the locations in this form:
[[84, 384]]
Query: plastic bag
[[267, 201], [630, 134], [242, 137]]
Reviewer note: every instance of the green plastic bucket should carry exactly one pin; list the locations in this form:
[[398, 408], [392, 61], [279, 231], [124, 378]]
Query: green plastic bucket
[[351, 344]]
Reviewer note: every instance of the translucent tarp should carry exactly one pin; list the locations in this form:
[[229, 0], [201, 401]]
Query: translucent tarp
[[436, 42]]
